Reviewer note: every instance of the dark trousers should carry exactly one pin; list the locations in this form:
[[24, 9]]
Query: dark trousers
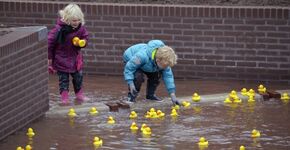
[[63, 79], [153, 80]]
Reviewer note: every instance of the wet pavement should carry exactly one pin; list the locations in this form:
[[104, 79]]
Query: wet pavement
[[226, 127]]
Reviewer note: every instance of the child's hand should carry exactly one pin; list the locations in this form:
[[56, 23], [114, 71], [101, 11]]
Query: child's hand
[[51, 70], [78, 42], [133, 90], [174, 99]]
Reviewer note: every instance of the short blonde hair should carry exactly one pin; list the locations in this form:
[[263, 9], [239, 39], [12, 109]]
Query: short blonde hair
[[72, 11], [166, 55]]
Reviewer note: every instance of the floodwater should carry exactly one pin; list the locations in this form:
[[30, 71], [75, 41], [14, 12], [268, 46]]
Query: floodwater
[[226, 127]]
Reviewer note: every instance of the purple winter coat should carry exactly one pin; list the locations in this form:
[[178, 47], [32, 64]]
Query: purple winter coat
[[64, 55]]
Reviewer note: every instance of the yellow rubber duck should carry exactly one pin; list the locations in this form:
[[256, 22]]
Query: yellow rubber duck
[[160, 114], [143, 126], [97, 142], [175, 107], [71, 113], [152, 110], [237, 100], [153, 115], [255, 134], [202, 142], [28, 147], [228, 101], [251, 92], [146, 131], [173, 113], [233, 94], [133, 115], [111, 120], [251, 99], [134, 126], [19, 148], [244, 91], [285, 96], [185, 104], [261, 89], [242, 147], [195, 97], [78, 42], [93, 111], [30, 133]]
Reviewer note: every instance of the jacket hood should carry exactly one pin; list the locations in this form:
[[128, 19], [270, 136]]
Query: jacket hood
[[60, 22], [153, 44]]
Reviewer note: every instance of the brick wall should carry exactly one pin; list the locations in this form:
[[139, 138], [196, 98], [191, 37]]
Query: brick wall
[[240, 43], [23, 77]]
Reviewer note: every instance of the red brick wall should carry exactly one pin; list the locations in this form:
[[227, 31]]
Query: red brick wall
[[243, 43], [23, 78]]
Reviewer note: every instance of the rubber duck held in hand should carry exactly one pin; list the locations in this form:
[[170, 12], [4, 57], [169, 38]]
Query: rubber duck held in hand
[[244, 91], [30, 133], [133, 115], [261, 89], [93, 111], [195, 97], [255, 134], [134, 126], [97, 142], [285, 96], [111, 120], [71, 113], [202, 142]]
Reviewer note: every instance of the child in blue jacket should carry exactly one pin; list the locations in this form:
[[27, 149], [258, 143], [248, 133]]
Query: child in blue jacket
[[155, 60]]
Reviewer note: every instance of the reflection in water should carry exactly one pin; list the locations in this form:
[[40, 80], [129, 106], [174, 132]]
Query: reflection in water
[[224, 126]]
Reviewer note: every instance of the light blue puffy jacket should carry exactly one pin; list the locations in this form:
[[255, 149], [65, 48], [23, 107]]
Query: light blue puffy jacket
[[139, 56]]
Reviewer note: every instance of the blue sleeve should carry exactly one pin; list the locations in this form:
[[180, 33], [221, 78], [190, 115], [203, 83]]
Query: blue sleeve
[[132, 65], [168, 79]]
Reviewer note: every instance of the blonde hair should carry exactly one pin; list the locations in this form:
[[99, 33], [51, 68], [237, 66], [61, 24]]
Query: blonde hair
[[166, 55], [72, 11]]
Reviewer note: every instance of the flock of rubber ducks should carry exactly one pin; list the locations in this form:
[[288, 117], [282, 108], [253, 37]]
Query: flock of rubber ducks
[[153, 114]]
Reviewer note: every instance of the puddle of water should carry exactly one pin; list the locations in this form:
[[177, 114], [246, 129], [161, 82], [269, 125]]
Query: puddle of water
[[225, 127]]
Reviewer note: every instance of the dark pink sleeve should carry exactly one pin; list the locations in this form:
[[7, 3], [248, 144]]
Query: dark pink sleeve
[[51, 41]]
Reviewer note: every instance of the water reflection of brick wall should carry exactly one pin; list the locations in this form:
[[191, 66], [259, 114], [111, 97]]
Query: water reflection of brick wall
[[244, 43], [23, 77]]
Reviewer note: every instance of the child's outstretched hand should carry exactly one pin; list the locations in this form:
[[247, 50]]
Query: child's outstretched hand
[[174, 99], [78, 42]]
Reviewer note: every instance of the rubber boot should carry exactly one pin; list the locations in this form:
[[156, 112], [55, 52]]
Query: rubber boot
[[64, 97], [80, 96], [151, 88]]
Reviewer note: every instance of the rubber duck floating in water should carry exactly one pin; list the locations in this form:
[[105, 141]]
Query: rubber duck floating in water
[[195, 97], [244, 91], [261, 89], [237, 100], [97, 142], [255, 134], [285, 96], [175, 107], [134, 126], [146, 131], [202, 142], [228, 101], [133, 115], [251, 92], [93, 111], [233, 94], [242, 147], [111, 120], [28, 147], [160, 114], [19, 148], [71, 113], [251, 99], [30, 133], [185, 104], [174, 113], [143, 126]]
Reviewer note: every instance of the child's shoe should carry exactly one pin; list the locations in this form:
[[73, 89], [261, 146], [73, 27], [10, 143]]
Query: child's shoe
[[80, 96], [131, 98], [64, 97], [153, 98]]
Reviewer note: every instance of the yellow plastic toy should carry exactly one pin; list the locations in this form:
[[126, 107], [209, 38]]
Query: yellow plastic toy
[[78, 42], [134, 126], [93, 111], [244, 91], [97, 142], [19, 148], [28, 147], [237, 100], [111, 120], [143, 126], [146, 131], [233, 94], [251, 92], [133, 115], [261, 89], [71, 113], [255, 134], [242, 147], [185, 104], [174, 113], [175, 107], [195, 97], [251, 99], [152, 110], [30, 133], [160, 114], [285, 96], [202, 142], [228, 101]]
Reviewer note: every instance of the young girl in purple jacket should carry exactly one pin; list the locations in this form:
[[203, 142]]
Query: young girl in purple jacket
[[65, 41]]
